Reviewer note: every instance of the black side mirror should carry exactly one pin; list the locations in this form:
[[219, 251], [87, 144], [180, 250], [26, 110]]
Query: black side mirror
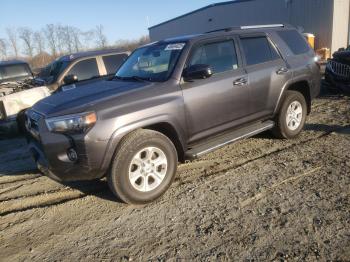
[[70, 79], [197, 72]]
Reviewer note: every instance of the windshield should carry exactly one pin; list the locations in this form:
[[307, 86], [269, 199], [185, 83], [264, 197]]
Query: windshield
[[52, 71], [152, 63], [14, 71]]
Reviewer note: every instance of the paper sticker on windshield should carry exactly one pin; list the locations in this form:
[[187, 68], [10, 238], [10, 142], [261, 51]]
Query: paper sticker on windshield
[[177, 46]]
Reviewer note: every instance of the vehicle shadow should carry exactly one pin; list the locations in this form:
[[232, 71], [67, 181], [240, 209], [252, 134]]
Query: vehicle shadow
[[328, 128], [329, 92], [98, 188]]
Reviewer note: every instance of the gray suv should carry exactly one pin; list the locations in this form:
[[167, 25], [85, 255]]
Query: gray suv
[[174, 100]]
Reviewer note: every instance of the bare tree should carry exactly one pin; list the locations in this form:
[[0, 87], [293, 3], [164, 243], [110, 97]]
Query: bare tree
[[101, 39], [76, 38], [88, 39], [3, 49], [39, 42], [50, 33], [63, 41], [12, 36], [26, 34]]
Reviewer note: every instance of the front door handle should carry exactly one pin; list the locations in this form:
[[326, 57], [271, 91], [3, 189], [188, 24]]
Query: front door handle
[[240, 82], [282, 71]]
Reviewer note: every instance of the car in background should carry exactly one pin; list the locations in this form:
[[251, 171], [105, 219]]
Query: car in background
[[18, 88], [70, 71], [337, 73]]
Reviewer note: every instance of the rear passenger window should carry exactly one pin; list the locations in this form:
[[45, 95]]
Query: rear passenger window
[[85, 69], [113, 62], [296, 43], [220, 56], [258, 50]]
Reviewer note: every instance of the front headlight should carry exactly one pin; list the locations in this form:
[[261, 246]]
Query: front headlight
[[78, 123]]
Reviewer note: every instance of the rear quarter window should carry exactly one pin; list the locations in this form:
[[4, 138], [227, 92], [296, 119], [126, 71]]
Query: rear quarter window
[[296, 43], [258, 50]]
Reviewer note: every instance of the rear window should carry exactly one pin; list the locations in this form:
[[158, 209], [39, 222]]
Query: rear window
[[258, 50], [113, 62], [296, 43]]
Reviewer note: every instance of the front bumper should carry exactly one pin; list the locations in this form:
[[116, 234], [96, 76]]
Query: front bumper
[[50, 151]]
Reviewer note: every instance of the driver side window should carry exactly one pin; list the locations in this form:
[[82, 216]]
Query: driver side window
[[85, 69], [220, 56]]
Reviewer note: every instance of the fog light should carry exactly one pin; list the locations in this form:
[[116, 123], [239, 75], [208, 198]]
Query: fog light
[[72, 155]]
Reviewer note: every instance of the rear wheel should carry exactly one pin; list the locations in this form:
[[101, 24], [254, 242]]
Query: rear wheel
[[291, 118], [144, 167]]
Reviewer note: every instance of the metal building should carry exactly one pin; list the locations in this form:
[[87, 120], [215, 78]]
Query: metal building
[[328, 20]]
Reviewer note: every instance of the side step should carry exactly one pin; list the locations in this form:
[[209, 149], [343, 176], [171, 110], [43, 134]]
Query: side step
[[228, 138]]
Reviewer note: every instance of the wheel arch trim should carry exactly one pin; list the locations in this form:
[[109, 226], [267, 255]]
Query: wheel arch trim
[[121, 132], [286, 87]]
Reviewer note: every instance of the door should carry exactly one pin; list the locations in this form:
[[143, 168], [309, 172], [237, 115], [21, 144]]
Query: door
[[213, 104], [267, 73]]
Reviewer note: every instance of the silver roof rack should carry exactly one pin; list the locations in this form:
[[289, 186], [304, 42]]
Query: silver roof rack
[[261, 26]]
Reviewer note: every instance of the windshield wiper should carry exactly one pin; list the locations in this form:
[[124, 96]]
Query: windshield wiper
[[137, 78], [115, 77], [141, 79]]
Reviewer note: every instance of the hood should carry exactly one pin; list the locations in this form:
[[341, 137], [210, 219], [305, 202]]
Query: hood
[[81, 98], [342, 56]]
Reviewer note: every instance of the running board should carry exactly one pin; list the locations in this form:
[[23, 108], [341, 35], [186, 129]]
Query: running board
[[228, 138]]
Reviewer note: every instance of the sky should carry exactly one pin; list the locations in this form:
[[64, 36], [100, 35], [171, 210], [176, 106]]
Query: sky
[[121, 19]]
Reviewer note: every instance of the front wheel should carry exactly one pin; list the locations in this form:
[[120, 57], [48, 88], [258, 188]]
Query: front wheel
[[144, 167], [291, 118]]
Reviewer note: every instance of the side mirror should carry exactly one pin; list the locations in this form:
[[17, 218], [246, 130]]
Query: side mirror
[[70, 79], [197, 72]]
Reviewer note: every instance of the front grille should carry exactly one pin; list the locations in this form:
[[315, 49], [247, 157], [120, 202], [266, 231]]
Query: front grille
[[339, 69]]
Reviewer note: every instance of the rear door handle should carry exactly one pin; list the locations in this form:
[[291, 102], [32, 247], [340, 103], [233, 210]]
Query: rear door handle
[[240, 82], [282, 71]]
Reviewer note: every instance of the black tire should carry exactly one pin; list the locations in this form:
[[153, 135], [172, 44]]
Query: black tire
[[21, 120], [281, 130], [118, 177]]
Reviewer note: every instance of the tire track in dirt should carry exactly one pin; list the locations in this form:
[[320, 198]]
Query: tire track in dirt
[[47, 199], [4, 180], [228, 168]]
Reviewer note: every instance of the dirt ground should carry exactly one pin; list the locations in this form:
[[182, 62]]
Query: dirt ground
[[259, 199]]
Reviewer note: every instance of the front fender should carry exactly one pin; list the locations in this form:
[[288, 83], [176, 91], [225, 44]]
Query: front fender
[[118, 134]]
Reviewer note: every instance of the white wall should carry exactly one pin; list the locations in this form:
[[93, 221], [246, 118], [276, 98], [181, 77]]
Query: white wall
[[340, 24]]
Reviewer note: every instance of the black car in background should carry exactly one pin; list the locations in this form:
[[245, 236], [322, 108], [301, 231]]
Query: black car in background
[[338, 71], [70, 71]]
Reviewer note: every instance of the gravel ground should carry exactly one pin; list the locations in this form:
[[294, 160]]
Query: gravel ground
[[258, 199]]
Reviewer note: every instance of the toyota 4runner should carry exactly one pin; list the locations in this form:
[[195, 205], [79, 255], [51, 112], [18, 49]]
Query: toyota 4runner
[[174, 100]]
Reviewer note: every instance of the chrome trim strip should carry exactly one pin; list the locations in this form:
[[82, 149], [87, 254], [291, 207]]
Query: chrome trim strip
[[261, 26]]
